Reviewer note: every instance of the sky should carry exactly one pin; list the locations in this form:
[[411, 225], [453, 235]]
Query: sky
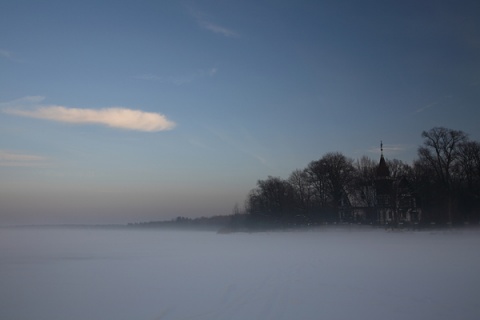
[[132, 111]]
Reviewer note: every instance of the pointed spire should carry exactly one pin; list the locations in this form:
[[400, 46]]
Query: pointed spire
[[382, 169]]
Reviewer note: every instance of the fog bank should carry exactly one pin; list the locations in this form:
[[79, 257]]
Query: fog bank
[[54, 273]]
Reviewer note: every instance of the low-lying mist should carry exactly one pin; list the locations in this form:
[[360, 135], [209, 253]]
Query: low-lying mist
[[55, 273]]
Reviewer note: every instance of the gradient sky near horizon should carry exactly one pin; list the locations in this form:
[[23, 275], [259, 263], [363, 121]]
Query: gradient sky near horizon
[[130, 111]]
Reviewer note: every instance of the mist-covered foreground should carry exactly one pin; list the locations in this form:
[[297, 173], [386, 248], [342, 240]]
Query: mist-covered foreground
[[322, 274]]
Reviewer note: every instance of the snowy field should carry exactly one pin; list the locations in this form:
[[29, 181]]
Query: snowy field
[[356, 273]]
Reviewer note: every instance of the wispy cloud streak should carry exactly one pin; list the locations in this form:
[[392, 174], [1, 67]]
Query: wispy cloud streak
[[178, 80], [433, 104], [217, 29], [248, 146], [204, 22], [391, 149], [148, 76], [115, 117], [5, 54], [15, 159], [428, 106]]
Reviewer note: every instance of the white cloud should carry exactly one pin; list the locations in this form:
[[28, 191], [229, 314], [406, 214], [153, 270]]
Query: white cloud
[[15, 159], [115, 117]]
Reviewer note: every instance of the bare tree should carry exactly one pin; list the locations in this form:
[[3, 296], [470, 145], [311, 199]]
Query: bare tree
[[441, 152], [318, 181], [273, 197], [469, 173], [399, 169], [333, 174], [365, 169], [469, 163], [236, 209], [303, 190]]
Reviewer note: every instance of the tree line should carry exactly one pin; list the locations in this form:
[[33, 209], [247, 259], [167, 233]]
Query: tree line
[[445, 180]]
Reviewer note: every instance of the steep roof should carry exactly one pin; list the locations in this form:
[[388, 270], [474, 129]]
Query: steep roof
[[382, 169]]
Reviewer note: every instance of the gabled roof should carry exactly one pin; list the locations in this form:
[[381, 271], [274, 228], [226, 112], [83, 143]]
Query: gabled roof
[[356, 200]]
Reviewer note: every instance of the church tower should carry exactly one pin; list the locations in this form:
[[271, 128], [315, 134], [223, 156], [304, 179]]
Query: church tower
[[384, 191]]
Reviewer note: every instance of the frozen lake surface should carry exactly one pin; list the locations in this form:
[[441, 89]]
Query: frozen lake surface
[[317, 274]]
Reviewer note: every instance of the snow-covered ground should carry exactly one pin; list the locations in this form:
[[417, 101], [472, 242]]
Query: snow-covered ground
[[321, 274]]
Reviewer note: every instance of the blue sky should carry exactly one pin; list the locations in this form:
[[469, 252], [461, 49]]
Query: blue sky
[[125, 111]]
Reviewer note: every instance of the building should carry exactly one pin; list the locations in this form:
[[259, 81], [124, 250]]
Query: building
[[395, 200], [386, 201]]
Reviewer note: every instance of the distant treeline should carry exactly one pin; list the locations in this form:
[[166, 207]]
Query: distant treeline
[[202, 223], [222, 224], [444, 180]]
